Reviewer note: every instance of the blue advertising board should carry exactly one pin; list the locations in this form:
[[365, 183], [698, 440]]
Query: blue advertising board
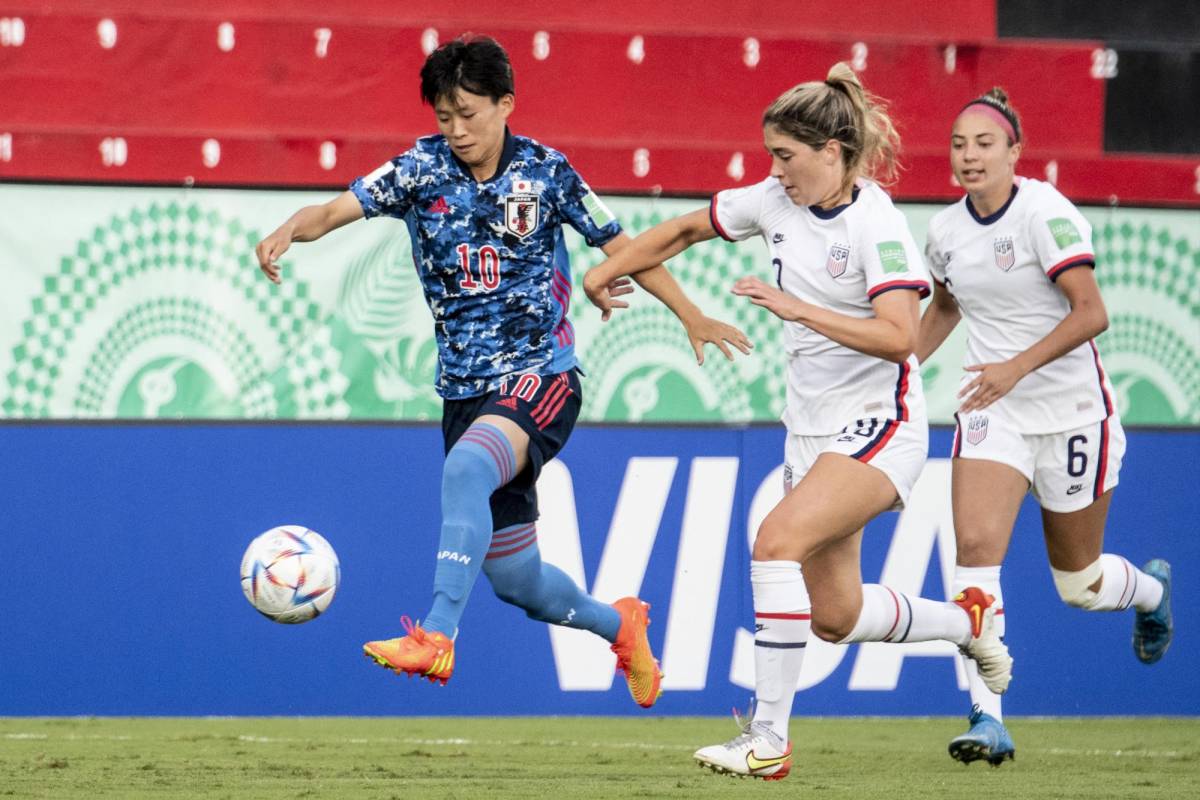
[[122, 543]]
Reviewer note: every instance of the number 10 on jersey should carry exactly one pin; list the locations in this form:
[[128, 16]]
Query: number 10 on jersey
[[487, 268]]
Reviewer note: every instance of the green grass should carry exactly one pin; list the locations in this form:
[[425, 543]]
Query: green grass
[[566, 758]]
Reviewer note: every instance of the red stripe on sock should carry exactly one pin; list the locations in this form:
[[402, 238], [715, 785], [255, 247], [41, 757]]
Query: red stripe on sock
[[1123, 603], [517, 549], [494, 546], [896, 623], [491, 449], [508, 537], [495, 448]]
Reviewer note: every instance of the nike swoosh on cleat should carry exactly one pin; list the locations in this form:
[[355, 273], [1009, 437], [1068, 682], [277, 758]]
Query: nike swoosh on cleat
[[755, 763], [977, 613]]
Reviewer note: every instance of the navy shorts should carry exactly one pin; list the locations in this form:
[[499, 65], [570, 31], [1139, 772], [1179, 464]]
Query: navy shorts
[[546, 407]]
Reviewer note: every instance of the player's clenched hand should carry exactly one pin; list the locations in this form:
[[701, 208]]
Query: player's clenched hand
[[993, 382], [601, 294], [777, 301], [270, 249], [706, 330]]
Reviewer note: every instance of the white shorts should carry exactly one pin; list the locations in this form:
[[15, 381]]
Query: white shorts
[[898, 449], [1066, 471]]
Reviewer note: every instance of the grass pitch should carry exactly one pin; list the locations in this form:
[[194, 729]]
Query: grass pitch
[[566, 758]]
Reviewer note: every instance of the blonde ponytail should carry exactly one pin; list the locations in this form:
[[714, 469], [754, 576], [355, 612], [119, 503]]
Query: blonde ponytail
[[840, 108]]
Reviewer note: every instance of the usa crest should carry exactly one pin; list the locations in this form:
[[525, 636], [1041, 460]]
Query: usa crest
[[1005, 254], [977, 429], [839, 256], [521, 209]]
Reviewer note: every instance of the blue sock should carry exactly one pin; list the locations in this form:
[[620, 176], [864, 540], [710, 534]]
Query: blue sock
[[480, 462], [543, 591]]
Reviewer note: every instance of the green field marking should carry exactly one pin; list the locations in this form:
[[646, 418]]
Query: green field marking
[[572, 757]]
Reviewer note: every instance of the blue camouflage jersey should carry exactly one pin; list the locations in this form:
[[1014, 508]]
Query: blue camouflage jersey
[[491, 255]]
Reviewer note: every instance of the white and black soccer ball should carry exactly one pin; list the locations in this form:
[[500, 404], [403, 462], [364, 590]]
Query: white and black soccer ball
[[290, 574]]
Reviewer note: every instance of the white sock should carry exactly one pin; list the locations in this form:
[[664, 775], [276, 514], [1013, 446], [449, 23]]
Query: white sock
[[782, 619], [988, 579], [891, 616], [1125, 585]]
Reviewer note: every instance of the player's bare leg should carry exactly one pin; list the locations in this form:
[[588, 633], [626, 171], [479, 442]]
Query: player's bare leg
[[986, 497], [841, 495], [820, 525], [814, 514]]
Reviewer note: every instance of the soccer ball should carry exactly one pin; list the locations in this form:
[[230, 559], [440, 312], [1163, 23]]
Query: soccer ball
[[290, 574]]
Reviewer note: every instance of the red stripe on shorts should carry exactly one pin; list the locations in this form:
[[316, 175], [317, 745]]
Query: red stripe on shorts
[[880, 442], [552, 402]]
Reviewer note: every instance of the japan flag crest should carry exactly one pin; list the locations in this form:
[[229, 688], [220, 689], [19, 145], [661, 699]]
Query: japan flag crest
[[521, 209], [1005, 253]]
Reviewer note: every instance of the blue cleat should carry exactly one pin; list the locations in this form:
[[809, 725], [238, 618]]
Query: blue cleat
[[987, 739], [1152, 630]]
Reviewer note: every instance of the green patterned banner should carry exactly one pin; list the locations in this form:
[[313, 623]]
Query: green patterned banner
[[148, 303]]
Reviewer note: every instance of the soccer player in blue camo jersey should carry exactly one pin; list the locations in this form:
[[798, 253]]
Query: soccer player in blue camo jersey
[[485, 211]]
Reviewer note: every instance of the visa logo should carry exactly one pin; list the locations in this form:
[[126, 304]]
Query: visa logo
[[584, 662]]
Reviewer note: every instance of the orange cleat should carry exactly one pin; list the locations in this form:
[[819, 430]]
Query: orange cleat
[[985, 646], [634, 656], [428, 655]]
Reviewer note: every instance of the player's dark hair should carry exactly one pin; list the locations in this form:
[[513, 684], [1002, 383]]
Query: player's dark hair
[[476, 64], [997, 99]]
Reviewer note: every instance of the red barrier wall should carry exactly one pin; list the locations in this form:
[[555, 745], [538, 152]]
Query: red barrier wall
[[228, 94], [915, 19]]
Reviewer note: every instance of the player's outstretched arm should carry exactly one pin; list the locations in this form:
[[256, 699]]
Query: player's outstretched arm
[[650, 249], [700, 329], [940, 318], [642, 257], [306, 225]]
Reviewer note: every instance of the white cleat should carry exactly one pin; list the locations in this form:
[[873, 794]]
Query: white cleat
[[755, 753], [985, 647]]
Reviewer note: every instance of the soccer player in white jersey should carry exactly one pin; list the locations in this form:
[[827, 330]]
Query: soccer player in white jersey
[[1037, 409], [845, 277]]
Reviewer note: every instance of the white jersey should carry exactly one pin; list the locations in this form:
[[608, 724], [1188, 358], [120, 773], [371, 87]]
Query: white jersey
[[1001, 271], [840, 259]]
